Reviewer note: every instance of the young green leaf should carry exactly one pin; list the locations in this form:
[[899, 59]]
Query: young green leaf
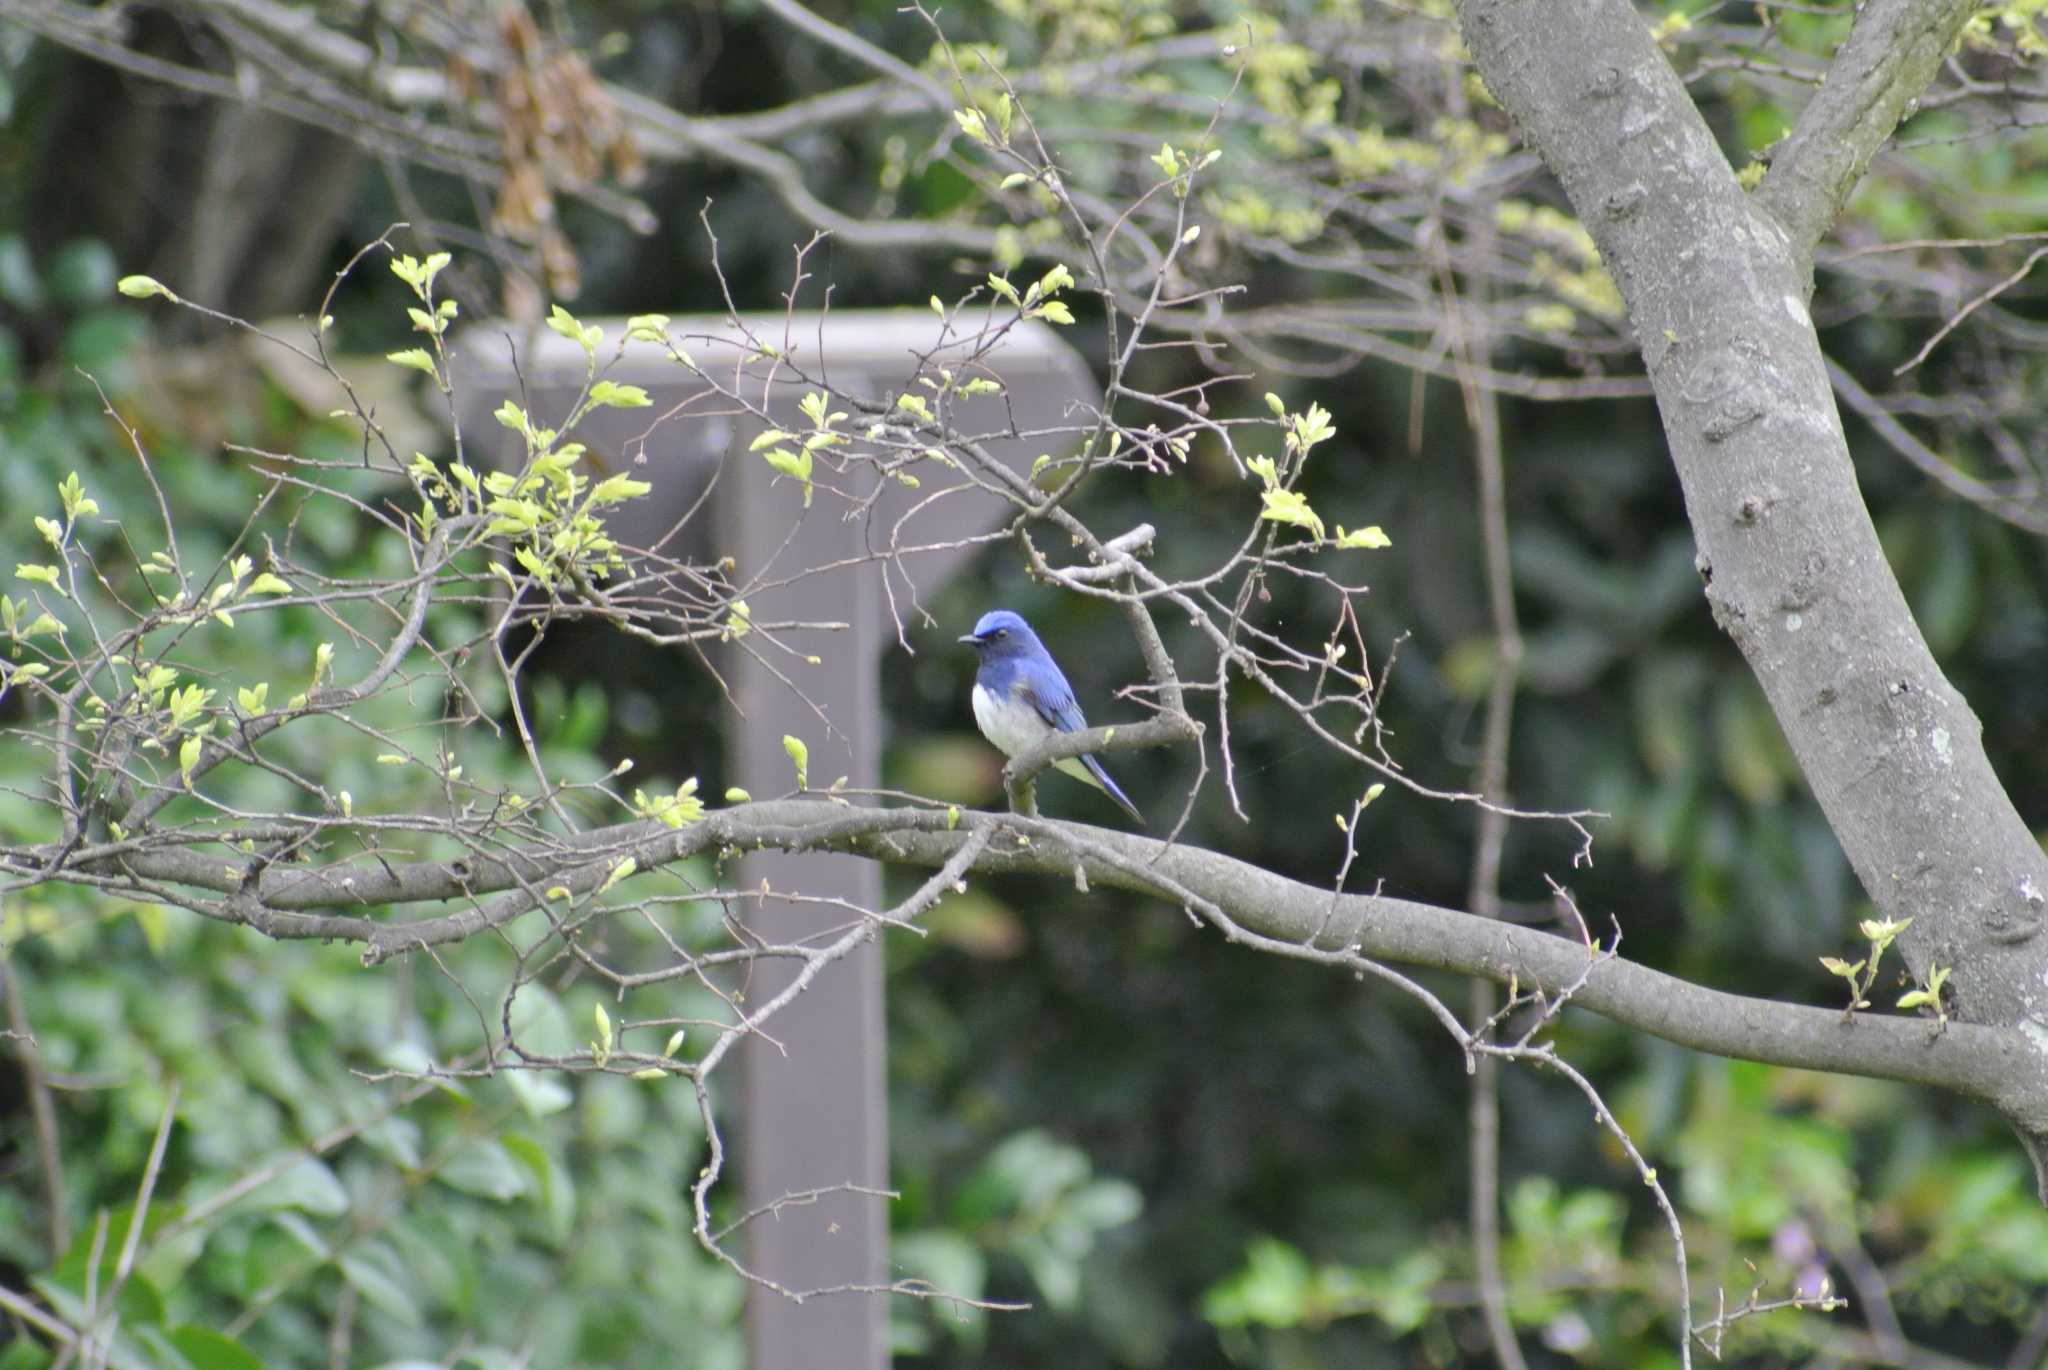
[[792, 463], [76, 505], [738, 622], [647, 328], [142, 287], [973, 125], [618, 873], [1290, 506], [613, 396], [615, 489], [1370, 537], [565, 323], [413, 359]]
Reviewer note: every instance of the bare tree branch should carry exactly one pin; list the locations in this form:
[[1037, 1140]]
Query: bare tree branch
[[1791, 561], [1982, 1062], [1875, 78]]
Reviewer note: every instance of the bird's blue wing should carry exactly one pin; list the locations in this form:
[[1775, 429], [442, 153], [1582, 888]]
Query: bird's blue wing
[[1047, 691], [1053, 698]]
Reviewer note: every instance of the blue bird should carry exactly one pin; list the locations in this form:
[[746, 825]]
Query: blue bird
[[1020, 696]]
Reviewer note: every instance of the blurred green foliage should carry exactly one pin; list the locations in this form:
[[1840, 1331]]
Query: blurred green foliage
[[527, 1218], [1303, 1207], [1186, 1155], [1299, 1142]]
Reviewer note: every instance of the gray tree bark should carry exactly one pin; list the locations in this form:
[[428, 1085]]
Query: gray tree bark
[[1994, 1064], [1716, 281]]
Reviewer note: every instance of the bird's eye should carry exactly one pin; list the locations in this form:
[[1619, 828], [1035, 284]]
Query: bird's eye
[[1002, 632]]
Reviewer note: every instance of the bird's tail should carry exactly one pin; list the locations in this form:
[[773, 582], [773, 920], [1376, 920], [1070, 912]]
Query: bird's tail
[[1100, 779]]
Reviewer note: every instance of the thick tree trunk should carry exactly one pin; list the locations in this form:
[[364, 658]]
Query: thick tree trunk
[[1716, 282]]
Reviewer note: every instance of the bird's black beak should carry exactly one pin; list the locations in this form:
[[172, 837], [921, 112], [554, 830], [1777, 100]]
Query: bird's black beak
[[970, 637]]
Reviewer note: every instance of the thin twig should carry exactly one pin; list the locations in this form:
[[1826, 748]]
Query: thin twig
[[1472, 346], [42, 1111]]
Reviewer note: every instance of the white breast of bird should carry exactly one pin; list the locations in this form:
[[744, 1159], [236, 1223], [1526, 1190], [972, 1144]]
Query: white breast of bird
[[1010, 723]]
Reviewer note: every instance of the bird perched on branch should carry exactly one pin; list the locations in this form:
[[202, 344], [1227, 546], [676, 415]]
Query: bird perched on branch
[[1020, 696]]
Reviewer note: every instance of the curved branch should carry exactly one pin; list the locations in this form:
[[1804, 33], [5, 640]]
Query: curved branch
[[860, 49], [665, 130], [1986, 1063]]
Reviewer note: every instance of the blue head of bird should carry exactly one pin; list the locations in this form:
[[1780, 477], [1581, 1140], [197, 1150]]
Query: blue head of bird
[[1002, 635]]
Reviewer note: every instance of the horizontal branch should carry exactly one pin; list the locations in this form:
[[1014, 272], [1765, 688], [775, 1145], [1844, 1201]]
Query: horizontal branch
[[1987, 1063], [1055, 747]]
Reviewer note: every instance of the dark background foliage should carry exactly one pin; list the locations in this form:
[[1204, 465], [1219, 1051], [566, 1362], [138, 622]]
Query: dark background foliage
[[1184, 1154]]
